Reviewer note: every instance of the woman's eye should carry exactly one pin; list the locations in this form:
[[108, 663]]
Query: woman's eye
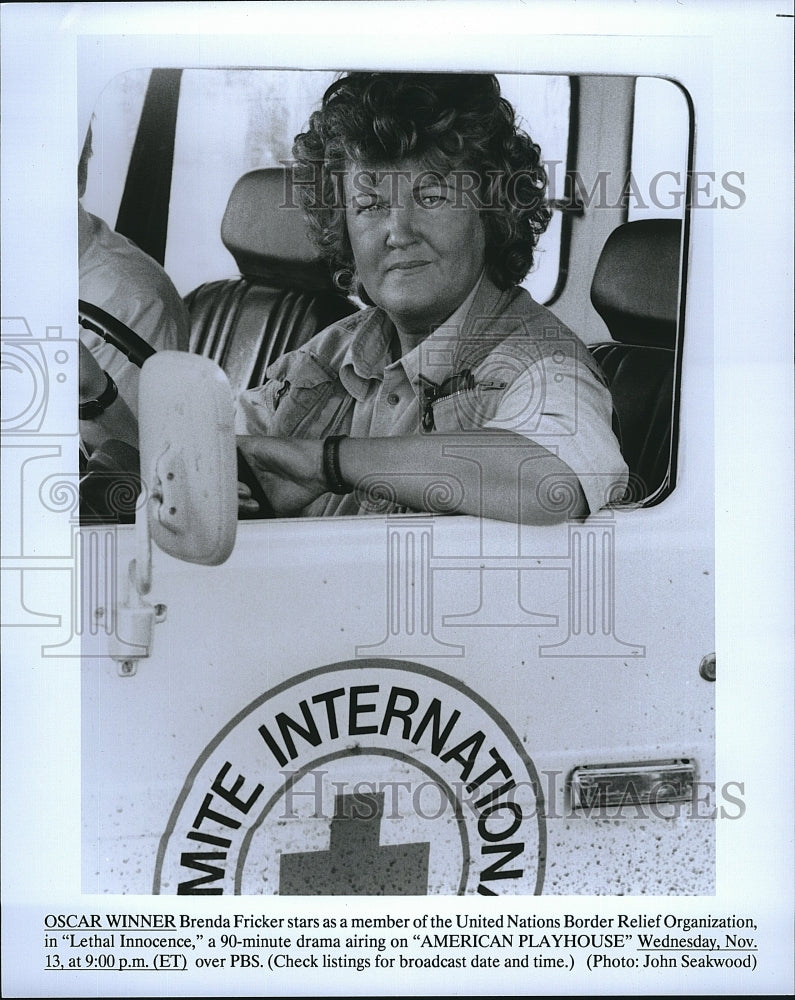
[[369, 206], [431, 199]]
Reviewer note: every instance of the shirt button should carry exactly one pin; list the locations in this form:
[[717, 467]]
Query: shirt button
[[393, 399]]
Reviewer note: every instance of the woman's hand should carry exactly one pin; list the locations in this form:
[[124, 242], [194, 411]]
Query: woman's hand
[[246, 504], [289, 469]]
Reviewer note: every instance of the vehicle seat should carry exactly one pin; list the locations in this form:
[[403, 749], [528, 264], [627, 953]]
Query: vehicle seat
[[284, 294], [635, 290]]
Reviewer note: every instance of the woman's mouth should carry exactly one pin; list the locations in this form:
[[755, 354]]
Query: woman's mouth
[[407, 265]]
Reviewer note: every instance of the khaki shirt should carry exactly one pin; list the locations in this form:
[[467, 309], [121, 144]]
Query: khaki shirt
[[502, 361]]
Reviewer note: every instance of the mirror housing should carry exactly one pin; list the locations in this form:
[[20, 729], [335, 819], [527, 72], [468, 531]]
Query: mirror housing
[[188, 456]]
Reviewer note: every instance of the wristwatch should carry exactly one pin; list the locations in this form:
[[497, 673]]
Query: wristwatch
[[331, 465], [93, 408]]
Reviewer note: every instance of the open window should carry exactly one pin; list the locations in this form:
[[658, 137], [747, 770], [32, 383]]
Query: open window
[[219, 137]]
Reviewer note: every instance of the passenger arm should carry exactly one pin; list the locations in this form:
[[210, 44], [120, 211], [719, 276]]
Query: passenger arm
[[117, 422]]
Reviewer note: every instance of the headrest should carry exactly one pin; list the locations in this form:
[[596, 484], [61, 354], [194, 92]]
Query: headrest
[[635, 287], [264, 230]]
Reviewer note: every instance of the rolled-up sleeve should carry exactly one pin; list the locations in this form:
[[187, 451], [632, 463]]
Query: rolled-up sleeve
[[565, 409]]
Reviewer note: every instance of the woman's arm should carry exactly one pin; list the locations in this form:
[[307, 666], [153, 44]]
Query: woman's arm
[[494, 474]]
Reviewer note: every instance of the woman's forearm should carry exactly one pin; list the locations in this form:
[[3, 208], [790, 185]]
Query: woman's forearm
[[494, 474]]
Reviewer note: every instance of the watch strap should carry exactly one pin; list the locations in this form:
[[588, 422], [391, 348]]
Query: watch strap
[[93, 408], [331, 466]]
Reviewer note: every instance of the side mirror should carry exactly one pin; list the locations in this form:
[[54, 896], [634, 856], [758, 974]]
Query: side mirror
[[188, 456]]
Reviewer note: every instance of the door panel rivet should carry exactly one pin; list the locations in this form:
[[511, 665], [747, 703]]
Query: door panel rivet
[[707, 667]]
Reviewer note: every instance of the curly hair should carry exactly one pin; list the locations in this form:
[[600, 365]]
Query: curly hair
[[445, 121]]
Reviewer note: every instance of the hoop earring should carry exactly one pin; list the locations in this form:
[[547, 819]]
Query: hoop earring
[[343, 279]]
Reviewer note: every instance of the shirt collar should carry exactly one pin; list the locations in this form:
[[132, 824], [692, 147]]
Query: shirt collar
[[368, 353]]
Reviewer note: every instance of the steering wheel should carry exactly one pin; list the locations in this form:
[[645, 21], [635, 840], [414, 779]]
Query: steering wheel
[[137, 350]]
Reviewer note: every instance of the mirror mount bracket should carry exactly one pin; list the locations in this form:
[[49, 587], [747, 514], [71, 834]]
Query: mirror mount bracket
[[135, 618]]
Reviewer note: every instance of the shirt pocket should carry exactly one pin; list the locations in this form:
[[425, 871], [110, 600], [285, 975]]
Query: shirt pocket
[[303, 397], [467, 409]]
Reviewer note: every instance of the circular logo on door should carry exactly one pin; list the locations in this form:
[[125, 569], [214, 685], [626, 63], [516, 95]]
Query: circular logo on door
[[369, 777]]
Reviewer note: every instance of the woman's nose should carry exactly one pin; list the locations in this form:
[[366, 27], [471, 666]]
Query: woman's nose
[[402, 229]]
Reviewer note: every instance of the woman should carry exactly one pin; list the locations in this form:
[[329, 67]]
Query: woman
[[453, 390]]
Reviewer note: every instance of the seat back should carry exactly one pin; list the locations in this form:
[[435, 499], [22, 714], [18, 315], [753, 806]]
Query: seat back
[[635, 290], [284, 294]]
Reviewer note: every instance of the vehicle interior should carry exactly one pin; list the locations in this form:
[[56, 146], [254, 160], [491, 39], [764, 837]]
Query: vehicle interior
[[612, 263]]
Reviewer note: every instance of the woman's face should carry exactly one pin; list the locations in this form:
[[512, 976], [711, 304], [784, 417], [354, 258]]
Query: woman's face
[[417, 239]]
